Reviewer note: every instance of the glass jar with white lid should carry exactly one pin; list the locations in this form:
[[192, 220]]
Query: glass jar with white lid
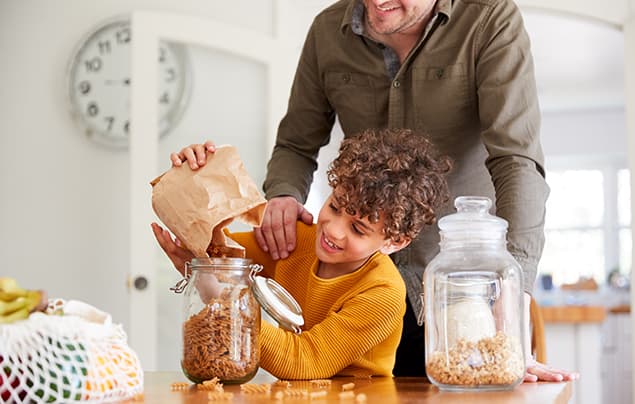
[[473, 303]]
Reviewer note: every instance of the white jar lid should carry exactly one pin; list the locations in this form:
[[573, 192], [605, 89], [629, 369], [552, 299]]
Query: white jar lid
[[472, 217], [278, 303]]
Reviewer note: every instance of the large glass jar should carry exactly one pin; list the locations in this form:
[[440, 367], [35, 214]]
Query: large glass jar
[[473, 303], [222, 321], [222, 302]]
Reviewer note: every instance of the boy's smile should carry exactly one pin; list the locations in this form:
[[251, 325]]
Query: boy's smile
[[344, 242]]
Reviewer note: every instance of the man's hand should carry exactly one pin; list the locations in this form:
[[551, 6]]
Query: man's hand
[[177, 254], [537, 371], [276, 234]]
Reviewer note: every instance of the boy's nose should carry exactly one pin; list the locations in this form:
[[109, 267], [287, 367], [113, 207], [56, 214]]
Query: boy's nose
[[335, 231]]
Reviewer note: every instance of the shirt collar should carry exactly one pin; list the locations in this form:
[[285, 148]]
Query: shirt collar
[[354, 17]]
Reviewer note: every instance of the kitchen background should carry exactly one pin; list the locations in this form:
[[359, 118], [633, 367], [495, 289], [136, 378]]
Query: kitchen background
[[73, 211]]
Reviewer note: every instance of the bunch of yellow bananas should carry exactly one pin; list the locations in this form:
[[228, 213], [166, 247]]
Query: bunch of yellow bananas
[[17, 303]]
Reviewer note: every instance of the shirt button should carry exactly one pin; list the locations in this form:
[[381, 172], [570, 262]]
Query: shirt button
[[396, 83], [346, 78], [439, 73]]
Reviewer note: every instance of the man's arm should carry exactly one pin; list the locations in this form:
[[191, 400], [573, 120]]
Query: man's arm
[[510, 122], [305, 128], [510, 118]]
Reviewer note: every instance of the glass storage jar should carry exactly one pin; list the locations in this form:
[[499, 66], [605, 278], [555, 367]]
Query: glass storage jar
[[473, 303], [222, 318]]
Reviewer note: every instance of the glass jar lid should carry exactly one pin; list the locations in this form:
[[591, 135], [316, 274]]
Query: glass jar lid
[[278, 303], [276, 300], [472, 217]]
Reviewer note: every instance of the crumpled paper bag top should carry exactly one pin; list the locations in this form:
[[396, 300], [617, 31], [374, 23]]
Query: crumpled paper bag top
[[192, 203]]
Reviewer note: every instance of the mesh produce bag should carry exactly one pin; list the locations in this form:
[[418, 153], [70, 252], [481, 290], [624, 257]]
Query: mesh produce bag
[[73, 353]]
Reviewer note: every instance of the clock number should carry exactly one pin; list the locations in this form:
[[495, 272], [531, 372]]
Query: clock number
[[93, 65], [84, 87], [110, 120], [165, 98], [126, 127], [123, 35], [92, 109], [171, 75], [161, 55], [104, 47]]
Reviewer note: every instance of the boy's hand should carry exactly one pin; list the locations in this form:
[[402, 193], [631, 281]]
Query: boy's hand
[[276, 234], [177, 254], [195, 155]]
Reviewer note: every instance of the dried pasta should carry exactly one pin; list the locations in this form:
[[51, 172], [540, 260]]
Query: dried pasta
[[177, 386], [221, 341], [220, 396], [489, 361], [252, 388], [348, 386], [320, 382]]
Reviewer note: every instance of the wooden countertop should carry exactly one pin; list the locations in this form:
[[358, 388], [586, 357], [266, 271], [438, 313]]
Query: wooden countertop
[[381, 389], [573, 314]]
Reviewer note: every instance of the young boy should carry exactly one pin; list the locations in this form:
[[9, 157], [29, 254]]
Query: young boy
[[386, 185]]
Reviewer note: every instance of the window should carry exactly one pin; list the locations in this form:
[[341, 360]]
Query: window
[[587, 226]]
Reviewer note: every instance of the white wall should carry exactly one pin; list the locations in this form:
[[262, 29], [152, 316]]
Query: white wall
[[585, 132], [64, 200]]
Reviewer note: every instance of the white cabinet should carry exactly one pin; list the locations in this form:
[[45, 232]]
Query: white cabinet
[[578, 346], [616, 365], [598, 347]]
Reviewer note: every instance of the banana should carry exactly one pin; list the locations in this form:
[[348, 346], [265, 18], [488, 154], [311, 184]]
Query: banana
[[9, 290], [17, 303], [12, 295], [7, 308], [8, 284], [33, 299], [20, 314]]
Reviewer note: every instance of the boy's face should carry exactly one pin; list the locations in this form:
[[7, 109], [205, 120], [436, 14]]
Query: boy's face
[[348, 241]]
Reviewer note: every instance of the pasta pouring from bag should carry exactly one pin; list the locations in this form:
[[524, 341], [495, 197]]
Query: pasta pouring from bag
[[195, 205]]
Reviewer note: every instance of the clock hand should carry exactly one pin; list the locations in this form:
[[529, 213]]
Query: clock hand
[[125, 82]]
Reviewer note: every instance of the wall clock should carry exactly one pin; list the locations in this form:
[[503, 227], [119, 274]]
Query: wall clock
[[99, 83]]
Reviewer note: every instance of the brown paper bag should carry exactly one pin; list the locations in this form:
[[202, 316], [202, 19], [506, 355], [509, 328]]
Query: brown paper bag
[[191, 204]]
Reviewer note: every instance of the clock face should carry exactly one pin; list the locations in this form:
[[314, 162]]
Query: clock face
[[99, 83]]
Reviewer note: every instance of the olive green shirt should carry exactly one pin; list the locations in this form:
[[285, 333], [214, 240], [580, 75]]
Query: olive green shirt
[[468, 83]]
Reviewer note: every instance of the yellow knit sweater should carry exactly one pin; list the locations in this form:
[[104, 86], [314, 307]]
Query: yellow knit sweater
[[352, 323]]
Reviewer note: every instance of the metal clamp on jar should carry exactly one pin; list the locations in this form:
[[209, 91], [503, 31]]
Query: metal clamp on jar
[[223, 297], [472, 303]]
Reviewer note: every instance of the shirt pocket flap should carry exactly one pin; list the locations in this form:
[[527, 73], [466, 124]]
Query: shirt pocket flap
[[337, 79], [441, 72]]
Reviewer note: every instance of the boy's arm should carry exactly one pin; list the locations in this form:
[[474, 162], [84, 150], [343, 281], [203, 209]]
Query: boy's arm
[[343, 337]]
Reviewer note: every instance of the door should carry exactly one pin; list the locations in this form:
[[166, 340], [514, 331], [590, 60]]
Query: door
[[240, 83]]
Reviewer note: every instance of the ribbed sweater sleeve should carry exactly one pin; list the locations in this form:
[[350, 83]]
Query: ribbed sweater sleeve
[[353, 322]]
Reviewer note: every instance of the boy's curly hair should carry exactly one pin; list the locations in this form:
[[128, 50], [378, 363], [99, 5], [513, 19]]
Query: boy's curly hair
[[394, 172]]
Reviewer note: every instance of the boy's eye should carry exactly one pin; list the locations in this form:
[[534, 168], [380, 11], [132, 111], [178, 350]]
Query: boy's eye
[[333, 207], [357, 230]]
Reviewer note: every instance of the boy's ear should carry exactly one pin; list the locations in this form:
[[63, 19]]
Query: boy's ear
[[391, 246]]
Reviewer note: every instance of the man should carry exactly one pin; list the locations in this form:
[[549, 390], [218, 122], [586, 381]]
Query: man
[[460, 71]]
